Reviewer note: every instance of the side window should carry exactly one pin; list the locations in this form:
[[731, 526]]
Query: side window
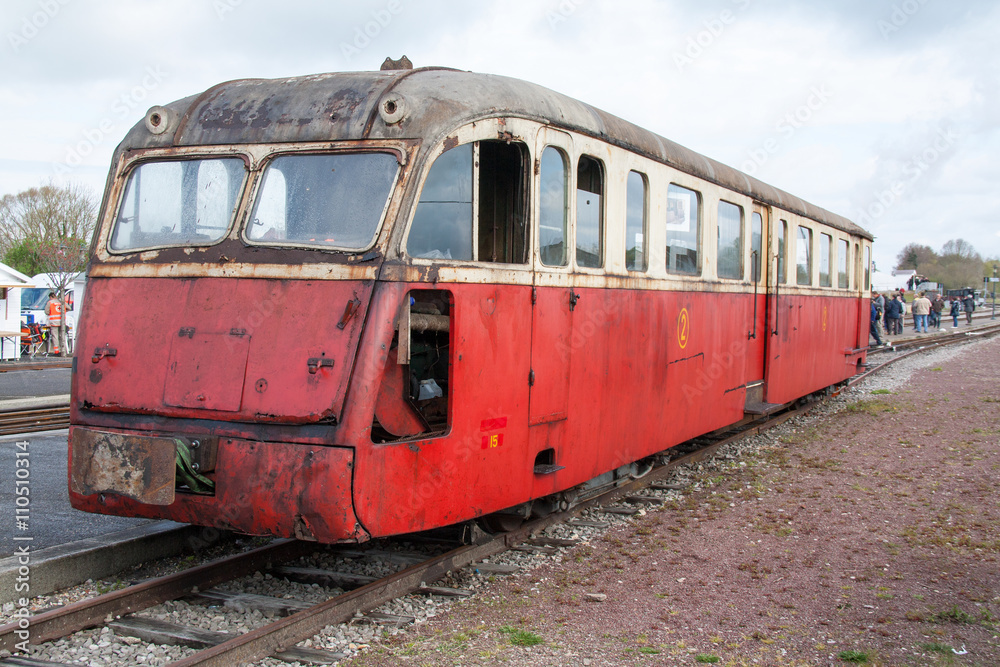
[[683, 230], [756, 232], [868, 268], [843, 262], [730, 233], [857, 266], [825, 249], [782, 235], [553, 209], [473, 206], [636, 208], [803, 254], [589, 213]]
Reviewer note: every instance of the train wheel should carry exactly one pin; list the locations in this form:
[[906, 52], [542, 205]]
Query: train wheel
[[500, 523]]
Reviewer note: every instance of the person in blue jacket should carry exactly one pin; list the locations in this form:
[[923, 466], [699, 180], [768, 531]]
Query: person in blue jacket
[[873, 327]]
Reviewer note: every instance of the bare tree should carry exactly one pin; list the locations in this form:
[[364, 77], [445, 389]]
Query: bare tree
[[960, 248], [960, 264], [50, 226]]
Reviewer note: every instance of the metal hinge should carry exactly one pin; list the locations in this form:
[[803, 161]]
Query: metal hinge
[[534, 295], [531, 378], [316, 363], [573, 298]]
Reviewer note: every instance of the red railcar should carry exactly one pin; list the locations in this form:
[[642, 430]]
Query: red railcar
[[353, 305]]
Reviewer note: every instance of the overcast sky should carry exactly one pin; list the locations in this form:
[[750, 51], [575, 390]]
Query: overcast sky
[[885, 111]]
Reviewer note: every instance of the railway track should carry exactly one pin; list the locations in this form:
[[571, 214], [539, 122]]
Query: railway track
[[352, 595], [36, 366], [32, 420], [914, 346], [299, 620]]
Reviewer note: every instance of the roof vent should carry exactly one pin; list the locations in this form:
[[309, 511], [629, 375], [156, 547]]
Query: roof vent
[[402, 63]]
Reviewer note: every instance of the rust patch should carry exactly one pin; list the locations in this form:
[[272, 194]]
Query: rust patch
[[450, 142], [137, 467]]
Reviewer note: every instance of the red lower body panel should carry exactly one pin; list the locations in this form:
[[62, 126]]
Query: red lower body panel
[[261, 488]]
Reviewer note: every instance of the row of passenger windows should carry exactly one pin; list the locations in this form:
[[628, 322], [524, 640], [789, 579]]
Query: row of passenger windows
[[473, 206]]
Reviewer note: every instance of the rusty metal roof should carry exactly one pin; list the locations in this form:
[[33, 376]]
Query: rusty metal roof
[[345, 105]]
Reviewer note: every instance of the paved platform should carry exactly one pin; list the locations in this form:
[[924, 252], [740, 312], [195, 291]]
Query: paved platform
[[48, 518], [20, 382]]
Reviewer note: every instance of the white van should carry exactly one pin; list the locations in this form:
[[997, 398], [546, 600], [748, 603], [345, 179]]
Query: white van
[[34, 300]]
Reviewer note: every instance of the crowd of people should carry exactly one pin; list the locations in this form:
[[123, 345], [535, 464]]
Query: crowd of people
[[888, 312]]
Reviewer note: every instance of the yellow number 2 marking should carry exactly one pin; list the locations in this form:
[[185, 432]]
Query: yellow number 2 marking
[[683, 322]]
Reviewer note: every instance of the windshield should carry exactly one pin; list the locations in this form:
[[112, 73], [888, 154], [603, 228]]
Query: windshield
[[333, 200], [178, 202], [34, 298]]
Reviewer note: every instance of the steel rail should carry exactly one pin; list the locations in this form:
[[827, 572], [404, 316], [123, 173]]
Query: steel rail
[[941, 338], [90, 613], [35, 366], [925, 346], [291, 630], [32, 420]]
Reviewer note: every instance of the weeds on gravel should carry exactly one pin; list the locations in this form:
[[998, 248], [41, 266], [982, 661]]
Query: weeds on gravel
[[935, 647], [873, 408], [853, 656], [705, 657], [519, 637], [104, 588], [956, 615]]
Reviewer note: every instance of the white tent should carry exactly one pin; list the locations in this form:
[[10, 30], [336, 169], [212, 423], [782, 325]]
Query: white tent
[[887, 282], [11, 282]]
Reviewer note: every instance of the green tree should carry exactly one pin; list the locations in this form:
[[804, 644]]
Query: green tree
[[23, 256]]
